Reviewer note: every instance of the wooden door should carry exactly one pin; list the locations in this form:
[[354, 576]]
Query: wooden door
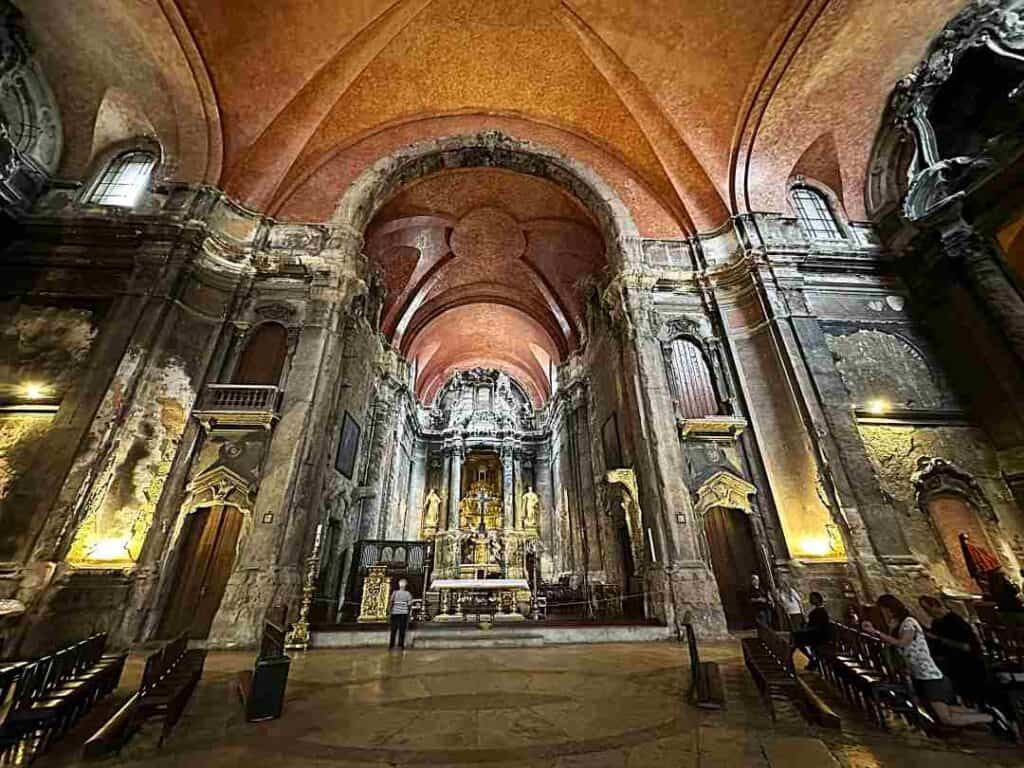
[[207, 556], [733, 558]]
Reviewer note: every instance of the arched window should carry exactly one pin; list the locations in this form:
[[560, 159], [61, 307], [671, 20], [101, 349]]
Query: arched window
[[262, 360], [815, 214], [691, 378], [124, 179]]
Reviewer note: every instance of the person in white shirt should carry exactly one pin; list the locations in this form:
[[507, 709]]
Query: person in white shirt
[[792, 604], [399, 605], [931, 685]]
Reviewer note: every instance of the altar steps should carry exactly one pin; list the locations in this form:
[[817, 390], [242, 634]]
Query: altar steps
[[434, 640], [525, 635]]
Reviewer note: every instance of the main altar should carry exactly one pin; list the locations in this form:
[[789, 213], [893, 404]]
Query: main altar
[[480, 567]]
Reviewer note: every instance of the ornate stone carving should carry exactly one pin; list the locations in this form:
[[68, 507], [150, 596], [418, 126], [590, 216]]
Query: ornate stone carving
[[276, 311], [935, 477], [936, 182], [30, 130], [724, 489]]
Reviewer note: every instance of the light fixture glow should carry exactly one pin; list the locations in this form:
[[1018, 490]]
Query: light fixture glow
[[114, 548], [33, 390], [878, 406], [815, 546]]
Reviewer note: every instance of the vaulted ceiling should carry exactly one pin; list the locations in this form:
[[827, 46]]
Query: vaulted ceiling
[[483, 267], [690, 110]]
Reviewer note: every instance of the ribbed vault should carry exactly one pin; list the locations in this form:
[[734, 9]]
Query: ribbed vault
[[483, 267]]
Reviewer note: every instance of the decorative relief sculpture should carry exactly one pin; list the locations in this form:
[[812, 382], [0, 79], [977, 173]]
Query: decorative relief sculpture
[[376, 591]]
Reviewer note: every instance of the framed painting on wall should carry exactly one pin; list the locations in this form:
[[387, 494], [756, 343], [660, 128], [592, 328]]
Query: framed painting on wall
[[610, 443], [348, 446]]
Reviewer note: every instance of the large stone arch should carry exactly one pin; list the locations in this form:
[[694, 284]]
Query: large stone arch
[[492, 149]]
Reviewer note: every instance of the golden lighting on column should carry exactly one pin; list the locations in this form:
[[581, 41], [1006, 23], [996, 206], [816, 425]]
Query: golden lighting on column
[[827, 544]]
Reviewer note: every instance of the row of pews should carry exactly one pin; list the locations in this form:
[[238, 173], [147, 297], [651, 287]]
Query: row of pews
[[769, 658], [872, 676], [41, 700], [169, 677]]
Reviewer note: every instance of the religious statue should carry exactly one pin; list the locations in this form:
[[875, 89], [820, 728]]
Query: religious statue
[[431, 512], [531, 510]]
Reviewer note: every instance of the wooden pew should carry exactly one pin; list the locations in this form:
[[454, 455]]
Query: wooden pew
[[769, 657], [262, 689], [706, 689], [40, 700], [169, 677], [869, 674]]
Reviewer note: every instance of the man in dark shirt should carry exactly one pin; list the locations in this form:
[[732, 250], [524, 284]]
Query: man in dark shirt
[[817, 633], [399, 605], [956, 649]]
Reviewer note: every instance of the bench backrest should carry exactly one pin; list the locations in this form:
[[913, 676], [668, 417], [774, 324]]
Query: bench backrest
[[778, 645], [691, 644], [272, 642]]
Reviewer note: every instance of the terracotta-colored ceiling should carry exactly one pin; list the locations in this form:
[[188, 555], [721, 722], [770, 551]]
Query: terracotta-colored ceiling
[[691, 109], [512, 247]]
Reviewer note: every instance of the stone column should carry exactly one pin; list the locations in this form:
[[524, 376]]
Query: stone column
[[507, 487], [454, 488], [518, 489], [417, 490], [978, 256], [446, 485]]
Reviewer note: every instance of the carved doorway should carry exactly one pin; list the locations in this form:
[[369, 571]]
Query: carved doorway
[[208, 543], [730, 538]]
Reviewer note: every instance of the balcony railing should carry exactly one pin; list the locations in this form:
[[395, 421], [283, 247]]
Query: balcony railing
[[238, 404]]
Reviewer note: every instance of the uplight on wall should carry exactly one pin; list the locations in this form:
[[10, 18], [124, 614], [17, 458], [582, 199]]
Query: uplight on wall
[[34, 390], [815, 546], [878, 406], [110, 549]]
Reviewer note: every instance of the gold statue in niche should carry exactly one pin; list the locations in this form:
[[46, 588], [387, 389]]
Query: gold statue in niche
[[431, 513]]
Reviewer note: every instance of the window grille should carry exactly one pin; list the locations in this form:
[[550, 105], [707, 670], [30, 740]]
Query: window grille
[[815, 214], [695, 391], [124, 180]]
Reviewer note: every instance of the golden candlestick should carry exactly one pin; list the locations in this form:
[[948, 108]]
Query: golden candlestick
[[298, 637]]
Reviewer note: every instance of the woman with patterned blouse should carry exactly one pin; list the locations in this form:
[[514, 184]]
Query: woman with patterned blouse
[[931, 685]]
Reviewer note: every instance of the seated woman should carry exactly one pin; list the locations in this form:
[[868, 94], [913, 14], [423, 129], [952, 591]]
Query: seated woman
[[932, 687], [956, 649]]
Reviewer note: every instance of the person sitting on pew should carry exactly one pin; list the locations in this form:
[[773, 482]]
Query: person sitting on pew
[[931, 685], [956, 649], [818, 632]]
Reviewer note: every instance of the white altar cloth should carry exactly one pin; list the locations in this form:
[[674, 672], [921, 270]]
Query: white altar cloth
[[487, 584]]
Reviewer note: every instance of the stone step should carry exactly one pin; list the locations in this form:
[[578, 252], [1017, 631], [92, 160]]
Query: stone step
[[548, 635], [478, 639]]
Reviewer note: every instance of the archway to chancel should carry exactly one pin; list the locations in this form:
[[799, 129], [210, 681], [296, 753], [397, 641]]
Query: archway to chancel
[[485, 247]]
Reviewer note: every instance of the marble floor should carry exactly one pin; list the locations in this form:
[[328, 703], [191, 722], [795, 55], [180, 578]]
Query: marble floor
[[585, 706]]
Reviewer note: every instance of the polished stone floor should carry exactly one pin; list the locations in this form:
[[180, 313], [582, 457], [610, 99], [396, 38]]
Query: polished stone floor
[[585, 706]]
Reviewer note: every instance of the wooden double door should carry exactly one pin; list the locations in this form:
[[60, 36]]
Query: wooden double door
[[208, 543]]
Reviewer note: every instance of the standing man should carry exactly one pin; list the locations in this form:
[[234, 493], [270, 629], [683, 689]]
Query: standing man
[[399, 606]]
